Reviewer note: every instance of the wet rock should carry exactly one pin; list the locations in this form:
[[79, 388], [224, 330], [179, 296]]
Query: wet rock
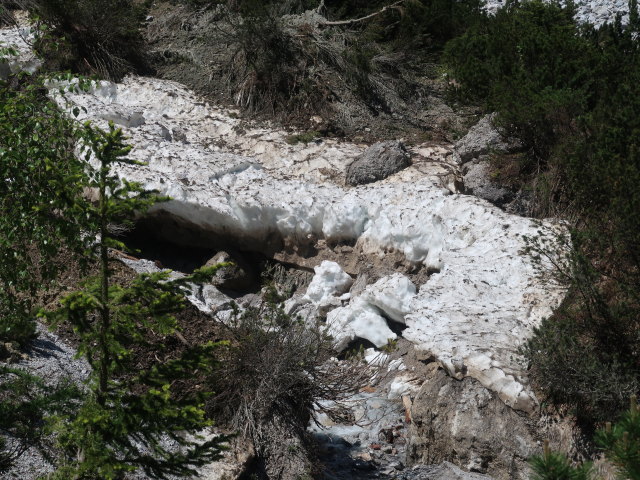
[[463, 422], [378, 162]]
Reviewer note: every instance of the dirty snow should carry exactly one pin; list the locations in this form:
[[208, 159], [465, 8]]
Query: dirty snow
[[472, 314], [249, 185]]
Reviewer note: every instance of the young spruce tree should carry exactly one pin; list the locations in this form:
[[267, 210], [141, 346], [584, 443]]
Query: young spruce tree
[[127, 418]]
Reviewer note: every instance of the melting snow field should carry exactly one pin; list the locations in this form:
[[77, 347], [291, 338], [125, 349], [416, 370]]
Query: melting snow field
[[472, 314]]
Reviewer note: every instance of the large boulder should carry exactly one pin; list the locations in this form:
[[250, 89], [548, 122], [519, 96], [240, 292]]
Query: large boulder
[[462, 422], [239, 276], [378, 162]]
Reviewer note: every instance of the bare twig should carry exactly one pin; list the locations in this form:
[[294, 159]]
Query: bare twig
[[361, 19]]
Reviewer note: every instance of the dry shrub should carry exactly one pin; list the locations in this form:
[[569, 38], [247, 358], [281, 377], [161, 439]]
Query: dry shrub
[[100, 37], [277, 373]]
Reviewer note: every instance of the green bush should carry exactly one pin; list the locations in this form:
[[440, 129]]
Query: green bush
[[41, 187], [529, 63], [577, 363], [555, 466], [620, 444]]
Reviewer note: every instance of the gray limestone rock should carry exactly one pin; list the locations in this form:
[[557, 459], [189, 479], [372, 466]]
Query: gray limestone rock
[[462, 422], [484, 138], [478, 182], [378, 162]]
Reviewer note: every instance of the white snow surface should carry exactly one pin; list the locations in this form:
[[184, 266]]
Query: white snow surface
[[365, 317], [359, 319], [472, 315], [329, 281]]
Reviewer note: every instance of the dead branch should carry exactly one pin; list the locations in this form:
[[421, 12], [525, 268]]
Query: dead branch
[[361, 19]]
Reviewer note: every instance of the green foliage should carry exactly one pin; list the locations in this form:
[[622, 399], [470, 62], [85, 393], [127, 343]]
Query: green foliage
[[91, 36], [391, 346], [572, 366], [122, 422], [305, 137], [529, 63], [555, 466], [39, 193], [622, 443]]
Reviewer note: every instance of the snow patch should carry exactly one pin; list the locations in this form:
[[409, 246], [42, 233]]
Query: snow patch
[[329, 282], [472, 315], [483, 302]]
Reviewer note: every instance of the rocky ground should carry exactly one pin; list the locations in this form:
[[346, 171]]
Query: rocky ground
[[427, 253]]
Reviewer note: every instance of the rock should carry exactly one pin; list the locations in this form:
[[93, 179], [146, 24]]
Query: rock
[[364, 456], [359, 284], [378, 162], [477, 181], [443, 471], [522, 204], [238, 276], [484, 138], [234, 464], [10, 352], [464, 423]]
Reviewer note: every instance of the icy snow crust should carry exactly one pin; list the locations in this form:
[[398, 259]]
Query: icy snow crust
[[472, 315], [249, 184]]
